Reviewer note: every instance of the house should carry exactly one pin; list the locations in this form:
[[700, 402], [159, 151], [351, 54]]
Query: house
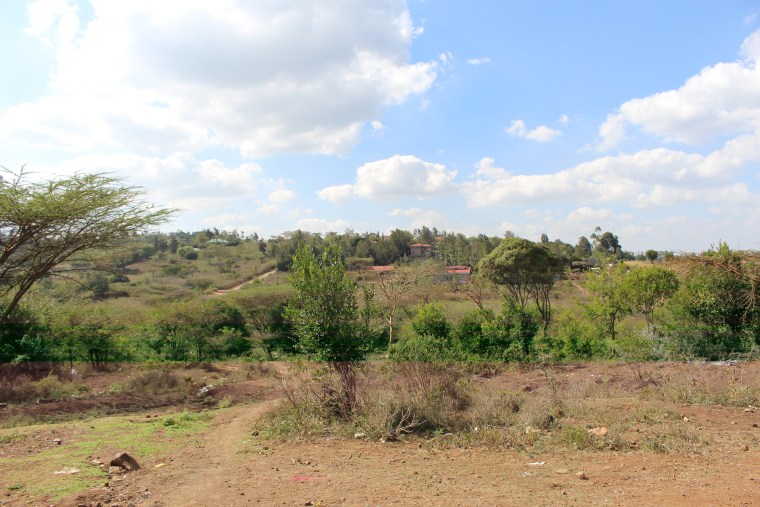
[[421, 251], [458, 274]]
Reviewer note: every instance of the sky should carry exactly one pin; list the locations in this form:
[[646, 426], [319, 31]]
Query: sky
[[640, 117]]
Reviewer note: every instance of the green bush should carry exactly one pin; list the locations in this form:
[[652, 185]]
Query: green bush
[[573, 338]]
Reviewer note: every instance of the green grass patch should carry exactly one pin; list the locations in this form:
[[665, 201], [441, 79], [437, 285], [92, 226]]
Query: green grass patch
[[143, 439]]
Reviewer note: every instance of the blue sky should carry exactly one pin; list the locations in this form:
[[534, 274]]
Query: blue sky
[[641, 117]]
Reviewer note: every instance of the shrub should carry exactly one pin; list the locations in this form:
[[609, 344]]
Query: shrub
[[573, 339]]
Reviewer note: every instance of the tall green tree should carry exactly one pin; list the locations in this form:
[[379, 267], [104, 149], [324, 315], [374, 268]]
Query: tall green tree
[[326, 318], [527, 270], [45, 224]]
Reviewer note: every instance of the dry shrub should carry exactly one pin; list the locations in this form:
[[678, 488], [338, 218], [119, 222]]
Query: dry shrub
[[736, 386], [24, 389], [153, 382]]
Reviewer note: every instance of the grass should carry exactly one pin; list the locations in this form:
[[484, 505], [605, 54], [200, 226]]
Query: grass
[[82, 441], [426, 402]]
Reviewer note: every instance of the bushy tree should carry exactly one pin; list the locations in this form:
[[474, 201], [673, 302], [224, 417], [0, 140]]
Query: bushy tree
[[648, 289], [325, 316], [527, 270], [608, 302], [715, 311]]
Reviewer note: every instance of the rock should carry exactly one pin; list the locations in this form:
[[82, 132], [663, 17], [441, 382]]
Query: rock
[[745, 447], [598, 431], [582, 476], [754, 425], [125, 461], [359, 436], [66, 471], [115, 470], [685, 419], [561, 471], [57, 441]]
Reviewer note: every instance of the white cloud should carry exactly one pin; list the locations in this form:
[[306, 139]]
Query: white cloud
[[179, 180], [283, 195], [397, 176], [611, 132], [723, 99], [275, 200], [337, 194], [541, 134], [420, 217], [643, 179], [564, 119], [479, 61], [139, 77], [320, 225]]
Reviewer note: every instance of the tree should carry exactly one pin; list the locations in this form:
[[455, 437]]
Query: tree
[[396, 287], [44, 225], [583, 248], [651, 255], [647, 289], [527, 270], [715, 310], [325, 316], [606, 243], [608, 303]]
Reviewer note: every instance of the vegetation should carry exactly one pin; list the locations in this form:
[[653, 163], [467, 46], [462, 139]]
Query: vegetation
[[106, 290]]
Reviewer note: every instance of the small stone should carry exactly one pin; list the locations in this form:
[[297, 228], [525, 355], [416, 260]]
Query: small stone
[[685, 419], [359, 436], [57, 441], [745, 447], [582, 476], [754, 425], [599, 431], [561, 471]]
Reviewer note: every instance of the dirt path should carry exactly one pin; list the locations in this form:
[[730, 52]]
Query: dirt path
[[227, 466], [222, 292]]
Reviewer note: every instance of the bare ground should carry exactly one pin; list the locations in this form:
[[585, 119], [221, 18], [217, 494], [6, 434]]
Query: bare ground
[[228, 465]]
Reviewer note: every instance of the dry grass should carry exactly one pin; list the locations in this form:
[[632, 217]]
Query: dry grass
[[446, 405]]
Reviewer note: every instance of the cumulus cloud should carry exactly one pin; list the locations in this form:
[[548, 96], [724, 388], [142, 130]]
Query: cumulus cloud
[[178, 180], [274, 201], [420, 217], [645, 178], [138, 76], [320, 225], [397, 176], [722, 100], [541, 134]]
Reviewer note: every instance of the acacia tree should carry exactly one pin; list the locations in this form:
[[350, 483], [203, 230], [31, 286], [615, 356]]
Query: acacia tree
[[527, 270], [325, 316], [45, 224]]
